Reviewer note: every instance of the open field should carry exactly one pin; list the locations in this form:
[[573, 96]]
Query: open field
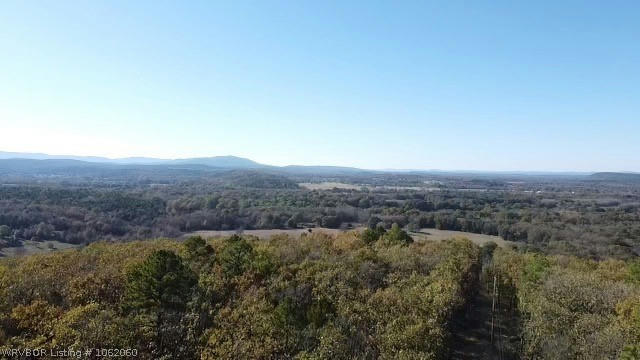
[[437, 235], [327, 185], [35, 247], [422, 234], [267, 233]]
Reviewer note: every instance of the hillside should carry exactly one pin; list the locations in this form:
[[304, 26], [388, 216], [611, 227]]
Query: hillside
[[213, 161], [43, 164], [616, 176]]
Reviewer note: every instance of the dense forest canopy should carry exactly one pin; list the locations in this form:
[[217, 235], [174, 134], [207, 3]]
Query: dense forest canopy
[[356, 295], [571, 308], [589, 216], [313, 297]]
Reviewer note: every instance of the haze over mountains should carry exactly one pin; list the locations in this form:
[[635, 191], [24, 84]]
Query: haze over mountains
[[216, 161], [33, 161]]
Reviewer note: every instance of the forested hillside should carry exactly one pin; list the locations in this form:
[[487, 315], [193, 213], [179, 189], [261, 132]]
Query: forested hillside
[[313, 297]]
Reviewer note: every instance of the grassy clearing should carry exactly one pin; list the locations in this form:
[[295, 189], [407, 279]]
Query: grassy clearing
[[437, 235], [267, 233], [329, 185], [35, 247]]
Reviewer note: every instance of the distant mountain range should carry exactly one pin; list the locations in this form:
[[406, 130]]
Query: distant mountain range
[[215, 161], [616, 176], [234, 162], [32, 161]]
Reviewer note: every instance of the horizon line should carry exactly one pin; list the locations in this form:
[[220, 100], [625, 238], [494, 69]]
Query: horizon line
[[87, 158]]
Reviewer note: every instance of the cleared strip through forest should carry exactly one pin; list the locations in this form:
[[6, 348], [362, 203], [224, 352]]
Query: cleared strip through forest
[[485, 330]]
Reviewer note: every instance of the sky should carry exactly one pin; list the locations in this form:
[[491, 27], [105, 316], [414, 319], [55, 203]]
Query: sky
[[453, 85]]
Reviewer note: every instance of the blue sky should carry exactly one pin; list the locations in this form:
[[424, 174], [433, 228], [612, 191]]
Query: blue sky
[[478, 85]]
